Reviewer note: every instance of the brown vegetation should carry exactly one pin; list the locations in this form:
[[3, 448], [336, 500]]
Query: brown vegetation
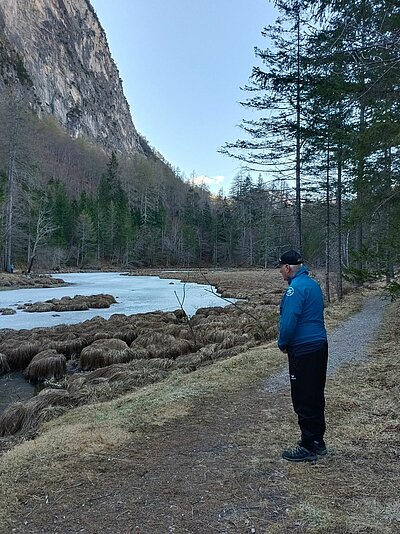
[[162, 345], [103, 352], [7, 311], [48, 364], [4, 366], [76, 303], [25, 417], [19, 349], [15, 280]]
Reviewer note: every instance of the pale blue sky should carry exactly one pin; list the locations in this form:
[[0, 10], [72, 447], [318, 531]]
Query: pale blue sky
[[182, 63]]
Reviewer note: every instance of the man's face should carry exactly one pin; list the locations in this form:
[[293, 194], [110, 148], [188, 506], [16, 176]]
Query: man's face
[[284, 269]]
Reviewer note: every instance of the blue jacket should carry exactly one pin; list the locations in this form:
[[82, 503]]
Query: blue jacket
[[301, 313]]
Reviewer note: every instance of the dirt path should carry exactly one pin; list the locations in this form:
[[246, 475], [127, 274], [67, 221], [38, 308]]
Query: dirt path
[[217, 470]]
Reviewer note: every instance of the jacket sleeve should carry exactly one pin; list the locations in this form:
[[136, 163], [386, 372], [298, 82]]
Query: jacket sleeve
[[292, 307]]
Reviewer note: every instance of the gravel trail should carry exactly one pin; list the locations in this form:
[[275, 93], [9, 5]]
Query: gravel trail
[[347, 342]]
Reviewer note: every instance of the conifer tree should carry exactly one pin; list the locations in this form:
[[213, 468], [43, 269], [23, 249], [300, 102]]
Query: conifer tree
[[357, 50], [276, 137]]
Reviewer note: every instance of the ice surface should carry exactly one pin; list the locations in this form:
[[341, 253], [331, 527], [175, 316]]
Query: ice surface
[[134, 294]]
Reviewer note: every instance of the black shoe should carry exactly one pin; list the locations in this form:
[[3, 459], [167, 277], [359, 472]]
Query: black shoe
[[299, 454], [319, 447]]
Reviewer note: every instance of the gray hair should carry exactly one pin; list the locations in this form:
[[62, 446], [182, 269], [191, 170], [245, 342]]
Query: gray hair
[[296, 268]]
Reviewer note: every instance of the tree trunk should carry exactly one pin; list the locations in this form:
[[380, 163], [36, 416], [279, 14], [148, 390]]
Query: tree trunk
[[328, 225], [339, 285], [389, 250], [30, 264], [360, 179], [298, 230], [10, 197]]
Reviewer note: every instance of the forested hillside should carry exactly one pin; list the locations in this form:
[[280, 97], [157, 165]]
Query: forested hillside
[[72, 205], [320, 165]]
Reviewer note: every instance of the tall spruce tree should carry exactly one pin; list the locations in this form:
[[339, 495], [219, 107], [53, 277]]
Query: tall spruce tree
[[276, 136]]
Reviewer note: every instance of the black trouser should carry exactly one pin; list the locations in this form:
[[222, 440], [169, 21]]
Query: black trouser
[[307, 381]]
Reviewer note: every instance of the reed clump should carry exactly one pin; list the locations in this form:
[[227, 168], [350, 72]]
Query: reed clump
[[4, 365], [162, 345], [48, 364], [25, 417], [76, 303], [20, 352], [104, 352]]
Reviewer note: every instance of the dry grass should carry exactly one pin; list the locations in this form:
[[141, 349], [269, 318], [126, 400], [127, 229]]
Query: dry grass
[[68, 344], [16, 280], [162, 345], [97, 428], [19, 352], [109, 382], [357, 488], [103, 352], [211, 335], [76, 303], [26, 417], [4, 365], [354, 490], [48, 364]]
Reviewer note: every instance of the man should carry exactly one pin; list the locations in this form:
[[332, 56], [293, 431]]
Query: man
[[303, 337]]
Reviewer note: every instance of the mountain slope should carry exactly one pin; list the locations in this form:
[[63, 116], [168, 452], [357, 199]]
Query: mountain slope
[[58, 50]]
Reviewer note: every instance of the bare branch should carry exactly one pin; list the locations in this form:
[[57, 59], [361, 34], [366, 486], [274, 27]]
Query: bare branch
[[186, 318]]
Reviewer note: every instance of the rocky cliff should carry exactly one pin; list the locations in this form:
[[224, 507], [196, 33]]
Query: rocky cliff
[[58, 50]]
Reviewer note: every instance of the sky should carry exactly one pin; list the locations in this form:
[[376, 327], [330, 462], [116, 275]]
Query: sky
[[182, 63]]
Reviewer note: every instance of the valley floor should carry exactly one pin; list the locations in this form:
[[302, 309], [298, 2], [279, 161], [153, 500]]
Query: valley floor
[[200, 452]]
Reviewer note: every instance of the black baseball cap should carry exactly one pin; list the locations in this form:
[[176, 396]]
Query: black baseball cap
[[291, 257]]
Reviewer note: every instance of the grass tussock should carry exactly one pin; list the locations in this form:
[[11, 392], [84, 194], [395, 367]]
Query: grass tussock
[[26, 417], [68, 344], [17, 280], [46, 365], [103, 352], [76, 303], [114, 380], [4, 365], [19, 353], [162, 345]]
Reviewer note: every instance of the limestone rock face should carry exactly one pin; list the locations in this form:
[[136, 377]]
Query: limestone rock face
[[59, 49]]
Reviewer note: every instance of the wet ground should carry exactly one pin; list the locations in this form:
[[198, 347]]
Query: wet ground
[[14, 388]]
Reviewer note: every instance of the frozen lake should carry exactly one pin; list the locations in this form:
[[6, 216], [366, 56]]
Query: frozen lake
[[134, 294]]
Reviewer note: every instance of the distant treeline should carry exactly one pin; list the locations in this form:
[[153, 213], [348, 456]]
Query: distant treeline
[[65, 203], [72, 205]]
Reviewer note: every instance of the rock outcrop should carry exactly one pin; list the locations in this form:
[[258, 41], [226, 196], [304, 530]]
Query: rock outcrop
[[58, 50]]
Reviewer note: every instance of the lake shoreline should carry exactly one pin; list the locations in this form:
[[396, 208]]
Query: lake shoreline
[[133, 294], [15, 281], [168, 340]]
